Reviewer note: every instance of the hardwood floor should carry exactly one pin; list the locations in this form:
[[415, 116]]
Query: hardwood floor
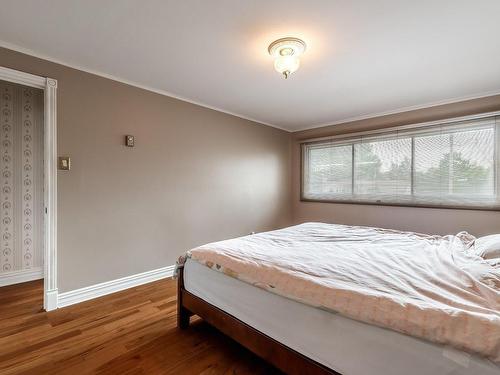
[[130, 332]]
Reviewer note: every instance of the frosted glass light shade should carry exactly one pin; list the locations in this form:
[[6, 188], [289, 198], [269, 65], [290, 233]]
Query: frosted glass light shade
[[286, 52], [286, 64]]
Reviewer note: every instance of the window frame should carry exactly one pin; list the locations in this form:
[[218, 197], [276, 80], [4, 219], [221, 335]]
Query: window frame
[[411, 130]]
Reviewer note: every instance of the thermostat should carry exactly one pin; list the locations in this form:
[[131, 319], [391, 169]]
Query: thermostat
[[129, 141]]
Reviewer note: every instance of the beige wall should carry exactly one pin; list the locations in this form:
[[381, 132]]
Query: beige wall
[[427, 220], [196, 175]]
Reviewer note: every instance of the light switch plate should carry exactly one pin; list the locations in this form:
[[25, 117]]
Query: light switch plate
[[129, 141], [64, 163]]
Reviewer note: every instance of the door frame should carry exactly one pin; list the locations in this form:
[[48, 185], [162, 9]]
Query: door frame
[[49, 86]]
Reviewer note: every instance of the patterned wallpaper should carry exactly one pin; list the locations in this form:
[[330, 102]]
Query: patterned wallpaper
[[21, 177]]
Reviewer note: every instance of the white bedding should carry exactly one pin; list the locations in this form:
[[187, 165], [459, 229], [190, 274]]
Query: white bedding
[[345, 345], [431, 287]]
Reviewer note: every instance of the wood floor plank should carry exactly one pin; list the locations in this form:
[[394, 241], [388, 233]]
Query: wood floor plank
[[126, 333]]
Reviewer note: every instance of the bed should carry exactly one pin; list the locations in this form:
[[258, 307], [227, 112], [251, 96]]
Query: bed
[[299, 335]]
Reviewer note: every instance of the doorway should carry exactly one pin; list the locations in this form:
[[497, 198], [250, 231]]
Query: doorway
[[28, 196], [21, 183]]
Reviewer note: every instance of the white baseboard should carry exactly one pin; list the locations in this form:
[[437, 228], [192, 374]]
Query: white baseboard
[[108, 287], [21, 276]]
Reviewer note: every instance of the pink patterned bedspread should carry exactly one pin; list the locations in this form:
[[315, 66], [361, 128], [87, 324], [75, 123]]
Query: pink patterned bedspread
[[431, 287]]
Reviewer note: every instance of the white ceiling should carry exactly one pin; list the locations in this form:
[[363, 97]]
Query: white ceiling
[[364, 57]]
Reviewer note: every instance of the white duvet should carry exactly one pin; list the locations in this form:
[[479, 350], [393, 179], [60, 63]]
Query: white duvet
[[431, 287]]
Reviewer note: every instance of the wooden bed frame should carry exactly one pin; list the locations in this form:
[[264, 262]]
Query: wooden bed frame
[[287, 360]]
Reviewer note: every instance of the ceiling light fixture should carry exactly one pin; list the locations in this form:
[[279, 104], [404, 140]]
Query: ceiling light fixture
[[286, 52]]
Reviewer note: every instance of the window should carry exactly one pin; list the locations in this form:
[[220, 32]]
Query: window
[[446, 165]]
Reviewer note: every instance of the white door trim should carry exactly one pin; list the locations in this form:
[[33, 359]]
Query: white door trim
[[49, 86]]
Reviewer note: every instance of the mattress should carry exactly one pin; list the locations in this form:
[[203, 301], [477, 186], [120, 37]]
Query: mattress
[[342, 344], [427, 286]]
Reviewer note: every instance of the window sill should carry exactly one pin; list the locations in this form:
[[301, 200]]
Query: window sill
[[403, 204]]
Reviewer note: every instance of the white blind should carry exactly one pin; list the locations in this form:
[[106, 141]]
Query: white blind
[[452, 164]]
